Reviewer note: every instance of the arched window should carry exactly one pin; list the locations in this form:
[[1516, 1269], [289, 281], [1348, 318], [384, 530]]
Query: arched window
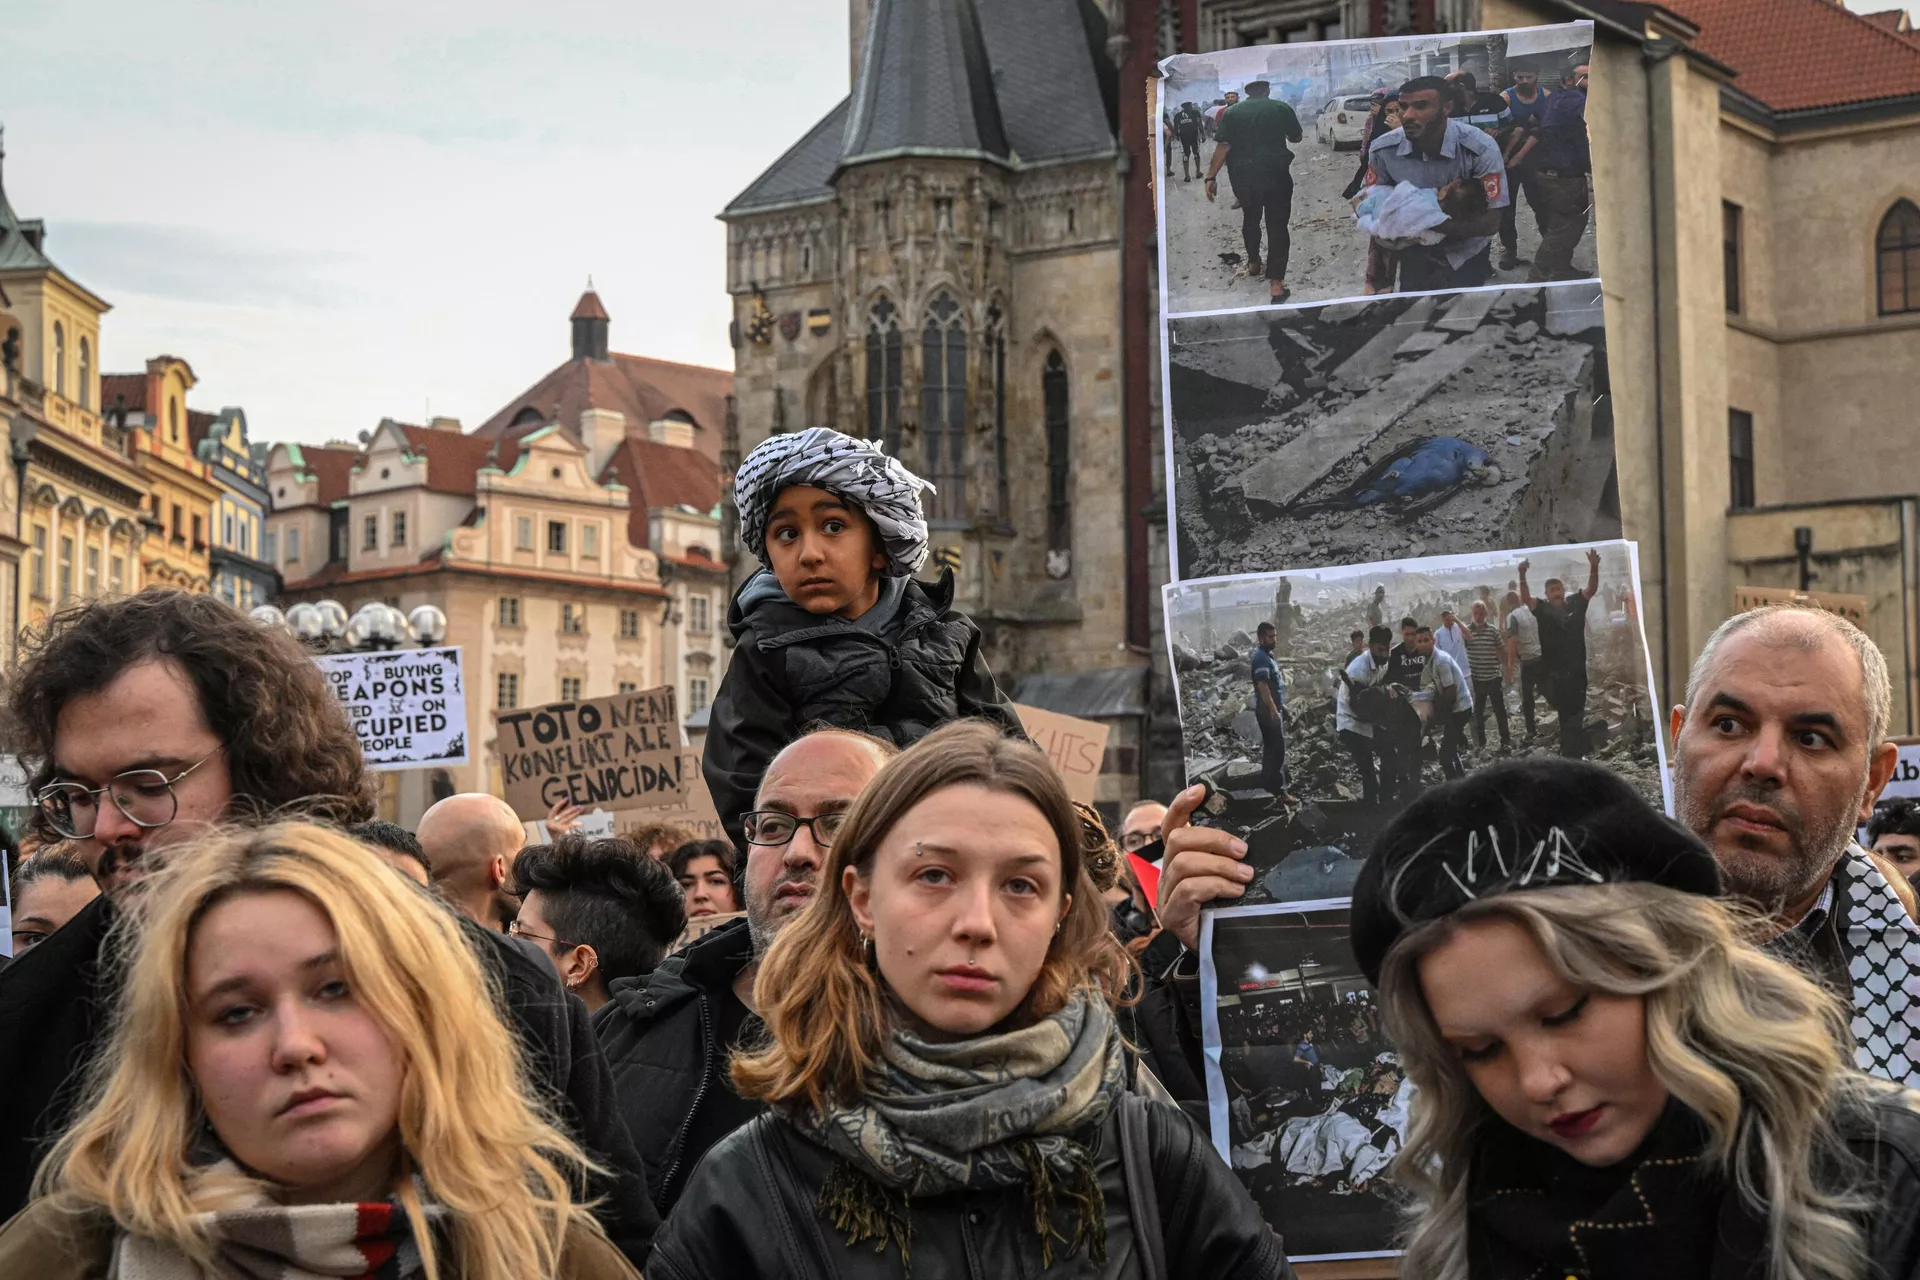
[[1898, 251], [59, 359], [943, 405], [994, 378], [1053, 390], [883, 375], [173, 420], [86, 374]]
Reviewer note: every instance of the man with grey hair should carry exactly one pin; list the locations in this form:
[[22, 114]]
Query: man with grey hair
[[1779, 753], [668, 1035]]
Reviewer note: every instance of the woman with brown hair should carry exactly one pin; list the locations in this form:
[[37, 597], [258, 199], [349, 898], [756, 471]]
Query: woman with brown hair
[[943, 1070]]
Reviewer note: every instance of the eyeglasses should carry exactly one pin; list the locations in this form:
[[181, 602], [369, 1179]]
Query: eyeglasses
[[1135, 841], [771, 826], [518, 932], [145, 796]]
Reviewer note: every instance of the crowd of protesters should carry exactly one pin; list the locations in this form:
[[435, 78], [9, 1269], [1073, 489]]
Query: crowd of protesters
[[250, 1030]]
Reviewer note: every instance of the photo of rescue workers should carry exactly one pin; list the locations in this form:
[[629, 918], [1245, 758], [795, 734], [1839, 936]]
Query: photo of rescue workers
[[1390, 428], [1317, 704], [1305, 1093], [1314, 172]]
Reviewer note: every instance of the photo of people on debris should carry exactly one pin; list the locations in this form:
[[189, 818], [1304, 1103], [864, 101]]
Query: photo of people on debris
[[1314, 172], [1396, 427], [1319, 703], [1308, 1102]]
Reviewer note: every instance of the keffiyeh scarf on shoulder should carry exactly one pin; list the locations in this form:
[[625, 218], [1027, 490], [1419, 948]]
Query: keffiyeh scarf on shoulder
[[1009, 1110], [856, 470], [268, 1241], [1883, 963]]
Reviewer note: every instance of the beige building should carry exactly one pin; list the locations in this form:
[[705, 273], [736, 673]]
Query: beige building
[[936, 264], [151, 408], [554, 583], [80, 531]]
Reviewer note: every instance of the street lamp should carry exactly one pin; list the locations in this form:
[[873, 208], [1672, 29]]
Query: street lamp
[[324, 626]]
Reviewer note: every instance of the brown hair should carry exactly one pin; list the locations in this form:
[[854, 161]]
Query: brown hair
[[826, 1013], [289, 746]]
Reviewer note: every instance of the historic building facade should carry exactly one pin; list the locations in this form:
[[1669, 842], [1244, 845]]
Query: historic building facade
[[937, 265], [241, 575], [572, 559], [73, 502], [151, 408]]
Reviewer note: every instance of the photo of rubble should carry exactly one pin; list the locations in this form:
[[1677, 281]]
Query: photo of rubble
[[1219, 254], [1308, 1103], [1397, 427], [1394, 677]]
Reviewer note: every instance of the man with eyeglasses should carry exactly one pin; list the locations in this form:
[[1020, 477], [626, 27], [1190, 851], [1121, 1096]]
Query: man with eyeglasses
[[668, 1036], [143, 722], [1141, 827]]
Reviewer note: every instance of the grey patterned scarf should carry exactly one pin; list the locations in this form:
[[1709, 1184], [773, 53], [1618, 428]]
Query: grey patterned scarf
[[855, 470], [997, 1111]]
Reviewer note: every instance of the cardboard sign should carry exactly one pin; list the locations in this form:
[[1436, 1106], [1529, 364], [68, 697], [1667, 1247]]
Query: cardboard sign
[[1076, 747], [409, 706], [1852, 608], [695, 810], [700, 926], [619, 752]]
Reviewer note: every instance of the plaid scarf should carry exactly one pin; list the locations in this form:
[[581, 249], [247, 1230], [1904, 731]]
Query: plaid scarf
[[267, 1241], [997, 1111], [1883, 962]]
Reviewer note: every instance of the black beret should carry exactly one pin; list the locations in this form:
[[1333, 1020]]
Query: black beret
[[1538, 823]]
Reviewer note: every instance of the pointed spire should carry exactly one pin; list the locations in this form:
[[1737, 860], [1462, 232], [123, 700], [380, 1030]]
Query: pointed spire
[[926, 85], [590, 322], [19, 237]]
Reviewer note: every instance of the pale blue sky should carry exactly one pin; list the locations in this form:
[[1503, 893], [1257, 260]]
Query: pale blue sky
[[345, 211]]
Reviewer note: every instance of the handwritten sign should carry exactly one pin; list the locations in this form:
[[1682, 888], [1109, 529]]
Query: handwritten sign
[[620, 752], [700, 926], [409, 706], [1077, 747], [1852, 608]]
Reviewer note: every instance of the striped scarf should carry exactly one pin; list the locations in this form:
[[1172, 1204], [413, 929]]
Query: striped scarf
[[267, 1241], [1883, 962]]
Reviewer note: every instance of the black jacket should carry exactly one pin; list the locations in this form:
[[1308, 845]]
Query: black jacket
[[670, 1076], [792, 669], [749, 1214], [55, 1015]]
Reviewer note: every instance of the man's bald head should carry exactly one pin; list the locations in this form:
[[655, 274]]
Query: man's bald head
[[471, 841], [826, 750]]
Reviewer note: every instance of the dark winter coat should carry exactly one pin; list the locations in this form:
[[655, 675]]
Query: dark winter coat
[[749, 1214], [55, 1014], [670, 1077], [792, 669]]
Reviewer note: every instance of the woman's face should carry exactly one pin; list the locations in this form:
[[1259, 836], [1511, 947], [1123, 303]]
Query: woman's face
[[1565, 1066], [1393, 115], [708, 887], [297, 1078], [962, 905]]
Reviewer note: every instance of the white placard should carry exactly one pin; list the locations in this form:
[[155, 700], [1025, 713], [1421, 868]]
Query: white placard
[[409, 706]]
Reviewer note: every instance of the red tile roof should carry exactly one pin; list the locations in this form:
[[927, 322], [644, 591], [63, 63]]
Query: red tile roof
[[662, 475], [123, 391], [330, 467], [1895, 20], [1801, 55], [198, 424], [454, 459], [588, 308], [643, 390]]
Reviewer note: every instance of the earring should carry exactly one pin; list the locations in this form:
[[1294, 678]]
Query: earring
[[866, 946], [1056, 927]]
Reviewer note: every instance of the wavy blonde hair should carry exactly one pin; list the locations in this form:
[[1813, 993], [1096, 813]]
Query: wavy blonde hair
[[469, 1121], [1756, 1049], [826, 1012]]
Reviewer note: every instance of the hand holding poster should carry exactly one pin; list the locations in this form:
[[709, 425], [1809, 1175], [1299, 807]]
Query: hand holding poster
[[619, 752], [409, 706]]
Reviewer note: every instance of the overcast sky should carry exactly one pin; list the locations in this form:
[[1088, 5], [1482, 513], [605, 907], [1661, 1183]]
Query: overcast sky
[[349, 210], [1876, 6]]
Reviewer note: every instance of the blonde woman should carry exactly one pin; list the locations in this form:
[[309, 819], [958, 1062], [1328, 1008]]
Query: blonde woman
[[1613, 1081], [307, 1078], [943, 1072]]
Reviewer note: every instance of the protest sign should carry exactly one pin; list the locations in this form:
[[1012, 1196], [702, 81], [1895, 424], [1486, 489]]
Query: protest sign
[[1852, 608], [409, 706], [699, 927], [1076, 747], [618, 752], [696, 812]]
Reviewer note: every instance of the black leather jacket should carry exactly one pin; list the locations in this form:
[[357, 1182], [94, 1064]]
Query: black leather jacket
[[792, 669], [748, 1214]]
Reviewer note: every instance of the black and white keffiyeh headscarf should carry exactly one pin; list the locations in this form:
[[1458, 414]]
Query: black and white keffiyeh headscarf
[[1883, 964], [856, 470]]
